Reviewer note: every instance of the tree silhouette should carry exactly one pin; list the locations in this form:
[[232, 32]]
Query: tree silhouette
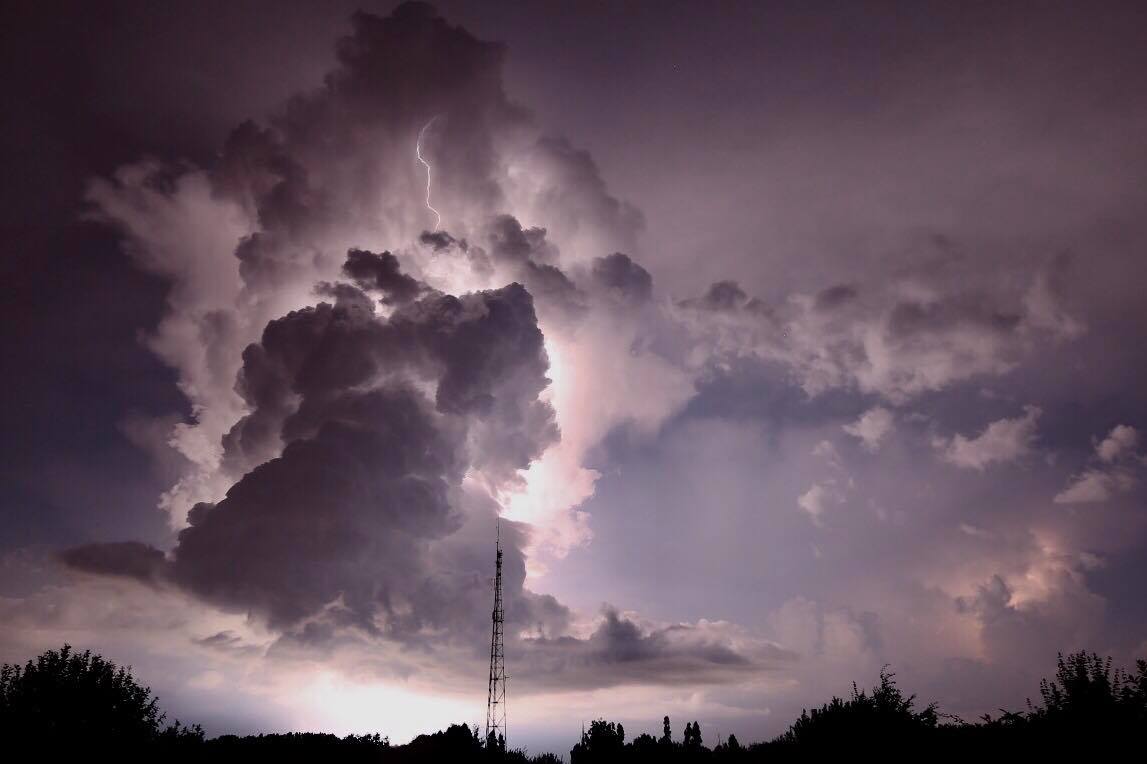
[[604, 741], [84, 699], [1087, 707], [884, 714], [1088, 696], [644, 743]]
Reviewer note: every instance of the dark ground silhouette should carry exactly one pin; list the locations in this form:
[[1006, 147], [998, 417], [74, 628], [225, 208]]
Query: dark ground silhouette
[[81, 701]]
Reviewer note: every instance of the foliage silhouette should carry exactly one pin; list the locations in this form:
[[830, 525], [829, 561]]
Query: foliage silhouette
[[1086, 693], [84, 699], [692, 735], [69, 698], [885, 713], [604, 741]]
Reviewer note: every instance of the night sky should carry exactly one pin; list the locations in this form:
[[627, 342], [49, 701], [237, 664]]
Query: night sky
[[788, 340]]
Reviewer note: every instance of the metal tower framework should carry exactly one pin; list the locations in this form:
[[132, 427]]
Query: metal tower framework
[[496, 697]]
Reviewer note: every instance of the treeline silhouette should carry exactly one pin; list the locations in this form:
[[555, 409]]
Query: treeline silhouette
[[81, 701]]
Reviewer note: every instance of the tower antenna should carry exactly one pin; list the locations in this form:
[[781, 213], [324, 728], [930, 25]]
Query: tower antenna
[[496, 696]]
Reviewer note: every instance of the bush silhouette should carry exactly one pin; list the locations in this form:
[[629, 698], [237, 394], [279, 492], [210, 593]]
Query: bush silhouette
[[1087, 695], [82, 699], [604, 741], [884, 715], [64, 697]]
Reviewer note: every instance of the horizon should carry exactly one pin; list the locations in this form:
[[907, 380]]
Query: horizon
[[774, 344]]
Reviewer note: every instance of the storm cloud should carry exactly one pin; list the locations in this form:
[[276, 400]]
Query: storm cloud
[[391, 401], [839, 369], [364, 483]]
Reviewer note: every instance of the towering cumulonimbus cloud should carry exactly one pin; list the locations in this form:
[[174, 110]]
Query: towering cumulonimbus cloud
[[382, 418], [396, 427], [365, 483], [247, 240], [368, 396], [363, 406]]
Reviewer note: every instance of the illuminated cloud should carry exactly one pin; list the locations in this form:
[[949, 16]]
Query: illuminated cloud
[[816, 500], [1002, 441], [386, 403], [872, 427], [898, 339], [1119, 443], [1117, 470]]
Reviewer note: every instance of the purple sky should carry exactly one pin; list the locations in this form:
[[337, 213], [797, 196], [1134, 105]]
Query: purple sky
[[790, 342]]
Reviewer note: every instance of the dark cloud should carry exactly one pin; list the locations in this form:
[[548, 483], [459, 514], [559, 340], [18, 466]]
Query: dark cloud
[[550, 283], [345, 295], [834, 296], [383, 273], [492, 366], [529, 255], [120, 558], [221, 640], [912, 318], [441, 240], [619, 273], [722, 295], [620, 651], [509, 241], [340, 516], [341, 524], [618, 640]]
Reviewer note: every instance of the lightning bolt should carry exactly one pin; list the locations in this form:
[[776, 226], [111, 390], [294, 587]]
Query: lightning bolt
[[418, 153]]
